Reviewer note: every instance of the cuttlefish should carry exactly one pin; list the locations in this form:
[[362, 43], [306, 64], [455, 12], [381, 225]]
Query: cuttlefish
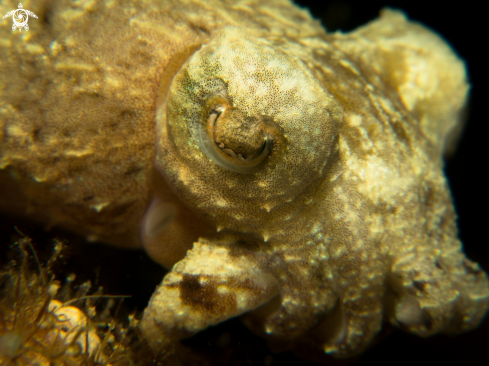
[[282, 173]]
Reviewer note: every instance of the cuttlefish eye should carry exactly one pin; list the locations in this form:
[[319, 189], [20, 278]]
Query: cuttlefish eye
[[233, 140], [239, 104]]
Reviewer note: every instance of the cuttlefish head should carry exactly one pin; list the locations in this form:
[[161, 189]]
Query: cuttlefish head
[[243, 129]]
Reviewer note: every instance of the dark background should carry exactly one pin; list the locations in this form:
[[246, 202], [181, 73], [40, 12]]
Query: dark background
[[463, 24]]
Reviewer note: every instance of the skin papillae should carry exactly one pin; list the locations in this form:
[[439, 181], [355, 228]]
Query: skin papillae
[[281, 172]]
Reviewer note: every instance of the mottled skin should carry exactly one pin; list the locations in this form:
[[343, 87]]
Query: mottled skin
[[295, 176]]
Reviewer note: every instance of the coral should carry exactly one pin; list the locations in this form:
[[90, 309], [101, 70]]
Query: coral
[[39, 324]]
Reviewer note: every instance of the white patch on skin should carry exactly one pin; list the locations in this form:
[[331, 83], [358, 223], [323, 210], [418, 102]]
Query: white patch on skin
[[420, 83], [100, 206], [79, 153], [373, 172]]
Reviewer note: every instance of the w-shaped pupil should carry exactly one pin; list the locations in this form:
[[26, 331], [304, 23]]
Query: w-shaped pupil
[[239, 135]]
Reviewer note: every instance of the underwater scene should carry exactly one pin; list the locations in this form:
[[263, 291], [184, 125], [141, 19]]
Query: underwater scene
[[241, 182]]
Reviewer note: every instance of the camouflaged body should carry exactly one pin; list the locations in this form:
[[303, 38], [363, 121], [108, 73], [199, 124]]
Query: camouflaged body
[[347, 222]]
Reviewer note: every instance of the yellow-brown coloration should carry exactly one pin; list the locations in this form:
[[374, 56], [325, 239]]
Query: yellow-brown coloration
[[295, 175]]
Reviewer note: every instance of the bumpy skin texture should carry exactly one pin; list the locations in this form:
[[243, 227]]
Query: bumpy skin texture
[[294, 176]]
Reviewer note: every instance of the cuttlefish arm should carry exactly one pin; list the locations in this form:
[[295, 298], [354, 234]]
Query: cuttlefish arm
[[211, 284]]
